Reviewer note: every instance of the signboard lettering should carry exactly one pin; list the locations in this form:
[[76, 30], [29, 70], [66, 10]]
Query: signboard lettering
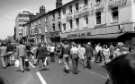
[[113, 3]]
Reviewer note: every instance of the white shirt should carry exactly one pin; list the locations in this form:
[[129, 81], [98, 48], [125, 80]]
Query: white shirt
[[74, 50]]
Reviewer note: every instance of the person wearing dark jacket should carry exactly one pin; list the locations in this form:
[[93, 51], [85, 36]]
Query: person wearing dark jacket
[[89, 54], [41, 54], [121, 70]]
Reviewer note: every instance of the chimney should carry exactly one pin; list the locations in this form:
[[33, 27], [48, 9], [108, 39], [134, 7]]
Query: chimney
[[58, 3], [42, 9]]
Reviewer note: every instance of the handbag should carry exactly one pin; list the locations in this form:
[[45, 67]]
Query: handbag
[[17, 63]]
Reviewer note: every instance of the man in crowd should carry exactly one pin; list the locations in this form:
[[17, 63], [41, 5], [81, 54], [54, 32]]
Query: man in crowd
[[41, 55], [89, 54], [21, 53], [74, 57], [66, 56]]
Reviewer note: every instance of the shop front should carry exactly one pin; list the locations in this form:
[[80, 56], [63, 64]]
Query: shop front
[[115, 33]]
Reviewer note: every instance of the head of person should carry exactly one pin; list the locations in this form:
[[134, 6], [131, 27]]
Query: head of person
[[89, 43], [122, 69]]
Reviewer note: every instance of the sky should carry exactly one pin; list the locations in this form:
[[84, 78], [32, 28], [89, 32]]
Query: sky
[[10, 8]]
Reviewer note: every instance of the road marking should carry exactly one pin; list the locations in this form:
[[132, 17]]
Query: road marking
[[41, 78], [98, 74]]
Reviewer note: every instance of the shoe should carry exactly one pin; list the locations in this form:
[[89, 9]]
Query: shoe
[[66, 71]]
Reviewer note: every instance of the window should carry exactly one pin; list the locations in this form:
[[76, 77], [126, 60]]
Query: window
[[59, 14], [86, 2], [59, 26], [86, 19], [64, 11], [53, 27], [70, 7], [71, 24], [53, 16], [77, 6], [115, 14], [77, 21], [98, 17], [64, 26]]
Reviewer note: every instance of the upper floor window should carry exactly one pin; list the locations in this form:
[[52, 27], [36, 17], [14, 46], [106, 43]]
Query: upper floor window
[[98, 17], [64, 26], [53, 27], [59, 14], [71, 23], [115, 14], [59, 26], [86, 2], [86, 19], [53, 16], [77, 6], [64, 11], [70, 8], [77, 21]]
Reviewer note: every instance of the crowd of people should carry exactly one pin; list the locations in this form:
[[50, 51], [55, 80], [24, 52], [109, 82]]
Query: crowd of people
[[70, 54]]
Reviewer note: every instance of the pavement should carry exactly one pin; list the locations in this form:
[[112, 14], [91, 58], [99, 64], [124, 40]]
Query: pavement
[[54, 75]]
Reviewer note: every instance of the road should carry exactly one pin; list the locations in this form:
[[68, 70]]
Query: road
[[54, 75]]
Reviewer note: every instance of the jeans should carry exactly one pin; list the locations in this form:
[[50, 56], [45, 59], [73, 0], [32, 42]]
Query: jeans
[[3, 61], [22, 63], [75, 60]]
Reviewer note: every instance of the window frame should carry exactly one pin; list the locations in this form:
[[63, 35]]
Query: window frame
[[98, 17]]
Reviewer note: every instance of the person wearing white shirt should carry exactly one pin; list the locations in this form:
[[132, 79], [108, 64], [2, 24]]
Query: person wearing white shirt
[[74, 57]]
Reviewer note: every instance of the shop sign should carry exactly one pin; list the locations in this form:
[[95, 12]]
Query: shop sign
[[79, 35], [113, 3]]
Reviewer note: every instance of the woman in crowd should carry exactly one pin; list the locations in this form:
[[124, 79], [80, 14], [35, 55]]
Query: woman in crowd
[[81, 54], [106, 53]]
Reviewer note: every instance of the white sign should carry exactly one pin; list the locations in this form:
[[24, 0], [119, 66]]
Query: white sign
[[113, 3]]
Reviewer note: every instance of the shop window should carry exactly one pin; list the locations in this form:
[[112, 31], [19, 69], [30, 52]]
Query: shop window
[[71, 24], [115, 14], [77, 21], [64, 26], [86, 2], [98, 17], [77, 6], [53, 27]]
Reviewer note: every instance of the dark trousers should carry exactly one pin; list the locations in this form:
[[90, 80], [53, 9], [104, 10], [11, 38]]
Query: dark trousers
[[52, 57], [98, 57], [88, 62], [75, 64]]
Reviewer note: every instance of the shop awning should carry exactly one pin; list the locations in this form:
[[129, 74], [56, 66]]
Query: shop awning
[[105, 36]]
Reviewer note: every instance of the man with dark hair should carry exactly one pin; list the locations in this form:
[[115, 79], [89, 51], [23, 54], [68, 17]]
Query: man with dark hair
[[122, 70]]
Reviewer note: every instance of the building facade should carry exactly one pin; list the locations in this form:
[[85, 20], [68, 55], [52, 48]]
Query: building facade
[[87, 19], [97, 19], [21, 19]]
